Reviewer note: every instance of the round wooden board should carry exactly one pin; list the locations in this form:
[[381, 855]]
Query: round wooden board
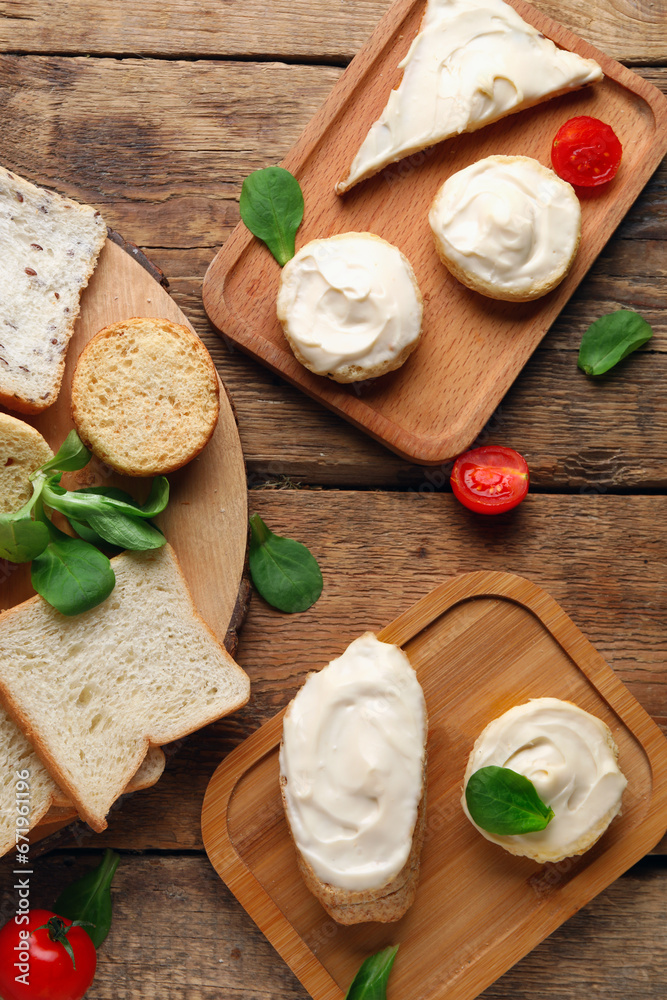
[[207, 520]]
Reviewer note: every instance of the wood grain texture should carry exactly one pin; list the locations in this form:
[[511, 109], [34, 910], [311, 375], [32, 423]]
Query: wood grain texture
[[480, 644], [313, 29], [178, 932], [177, 196]]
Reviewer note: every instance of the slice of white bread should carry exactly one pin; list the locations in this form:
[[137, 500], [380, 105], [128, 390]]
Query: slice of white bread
[[93, 691], [22, 450], [48, 246], [148, 775], [46, 802], [145, 396], [472, 63]]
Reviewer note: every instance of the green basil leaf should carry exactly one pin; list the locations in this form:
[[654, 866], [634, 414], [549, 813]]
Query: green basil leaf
[[21, 538], [271, 206], [89, 899], [610, 339], [72, 575], [127, 532], [71, 456], [370, 982], [284, 572], [506, 803]]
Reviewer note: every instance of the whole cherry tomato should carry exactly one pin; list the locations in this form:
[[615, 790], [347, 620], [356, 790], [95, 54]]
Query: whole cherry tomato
[[490, 480], [47, 958], [586, 152]]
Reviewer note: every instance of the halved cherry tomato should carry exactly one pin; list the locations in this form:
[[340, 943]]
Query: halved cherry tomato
[[490, 480], [586, 152], [45, 958]]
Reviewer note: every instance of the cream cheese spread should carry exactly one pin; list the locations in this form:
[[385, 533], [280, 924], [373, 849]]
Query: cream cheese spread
[[349, 301], [351, 762], [570, 757], [473, 62], [507, 222]]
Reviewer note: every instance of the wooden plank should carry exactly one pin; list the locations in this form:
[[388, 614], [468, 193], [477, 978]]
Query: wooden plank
[[178, 932], [177, 196], [379, 553], [315, 29]]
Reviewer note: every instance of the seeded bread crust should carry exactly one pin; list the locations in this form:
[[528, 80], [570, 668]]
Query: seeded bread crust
[[145, 396], [143, 669], [22, 450], [49, 246]]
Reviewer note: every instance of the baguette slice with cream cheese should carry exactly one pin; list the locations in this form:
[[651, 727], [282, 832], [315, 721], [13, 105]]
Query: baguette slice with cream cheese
[[353, 782]]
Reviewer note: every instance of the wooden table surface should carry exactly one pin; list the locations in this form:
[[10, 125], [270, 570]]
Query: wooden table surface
[[155, 113]]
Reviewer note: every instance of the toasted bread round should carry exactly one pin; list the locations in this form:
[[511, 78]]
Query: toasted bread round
[[507, 227], [22, 450], [145, 396]]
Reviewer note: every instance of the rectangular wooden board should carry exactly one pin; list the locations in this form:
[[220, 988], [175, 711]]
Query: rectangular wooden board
[[472, 347], [480, 644]]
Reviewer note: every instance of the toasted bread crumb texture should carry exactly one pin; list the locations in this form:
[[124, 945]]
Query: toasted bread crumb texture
[[22, 450], [17, 754], [48, 246], [145, 396], [96, 689]]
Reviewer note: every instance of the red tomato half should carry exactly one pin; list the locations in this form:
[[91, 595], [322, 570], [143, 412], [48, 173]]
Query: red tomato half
[[33, 966], [490, 480], [586, 152]]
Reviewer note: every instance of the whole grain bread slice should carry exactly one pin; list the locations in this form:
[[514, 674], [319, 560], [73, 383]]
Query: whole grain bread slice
[[22, 450], [93, 691], [48, 246]]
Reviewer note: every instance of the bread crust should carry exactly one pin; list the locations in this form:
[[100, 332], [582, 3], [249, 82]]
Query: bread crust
[[142, 742], [478, 284], [355, 373], [153, 431]]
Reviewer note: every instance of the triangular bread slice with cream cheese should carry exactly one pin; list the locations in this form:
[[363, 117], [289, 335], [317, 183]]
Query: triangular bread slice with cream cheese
[[472, 63], [93, 691]]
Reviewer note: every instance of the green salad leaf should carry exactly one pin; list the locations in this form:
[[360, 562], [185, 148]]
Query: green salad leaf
[[71, 575], [21, 538], [89, 899], [503, 802], [370, 982], [610, 339], [271, 206], [71, 455], [283, 570]]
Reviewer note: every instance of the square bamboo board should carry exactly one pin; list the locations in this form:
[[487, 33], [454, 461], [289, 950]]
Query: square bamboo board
[[472, 347], [480, 644]]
